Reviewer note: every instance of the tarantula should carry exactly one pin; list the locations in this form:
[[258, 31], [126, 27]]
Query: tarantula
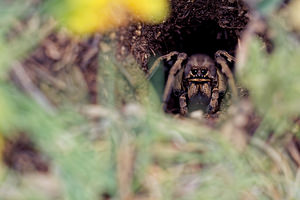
[[198, 81]]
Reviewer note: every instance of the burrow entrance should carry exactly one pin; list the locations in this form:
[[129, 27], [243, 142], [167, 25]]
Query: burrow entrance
[[206, 37], [195, 26]]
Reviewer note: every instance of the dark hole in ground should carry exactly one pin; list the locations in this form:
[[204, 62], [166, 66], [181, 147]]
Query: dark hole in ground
[[206, 37], [196, 26]]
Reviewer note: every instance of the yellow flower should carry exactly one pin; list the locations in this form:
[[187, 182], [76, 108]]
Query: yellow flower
[[153, 11], [88, 16]]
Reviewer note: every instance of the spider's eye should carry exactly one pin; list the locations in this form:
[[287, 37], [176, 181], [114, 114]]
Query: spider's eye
[[203, 71], [194, 71]]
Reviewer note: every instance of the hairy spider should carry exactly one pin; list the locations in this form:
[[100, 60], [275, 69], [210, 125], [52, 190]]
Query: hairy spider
[[198, 81]]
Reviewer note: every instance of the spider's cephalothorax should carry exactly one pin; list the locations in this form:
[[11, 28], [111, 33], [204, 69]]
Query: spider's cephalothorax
[[198, 83]]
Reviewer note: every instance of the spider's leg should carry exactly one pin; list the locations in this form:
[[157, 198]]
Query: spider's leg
[[225, 69], [222, 83], [229, 57], [214, 101], [156, 64], [183, 104], [171, 78]]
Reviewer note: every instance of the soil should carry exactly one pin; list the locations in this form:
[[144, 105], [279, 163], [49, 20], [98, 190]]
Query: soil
[[198, 26]]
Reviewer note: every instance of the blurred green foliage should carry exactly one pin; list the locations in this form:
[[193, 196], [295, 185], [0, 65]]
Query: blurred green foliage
[[272, 78]]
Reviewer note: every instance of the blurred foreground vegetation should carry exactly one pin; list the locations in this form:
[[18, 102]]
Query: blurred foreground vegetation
[[125, 147]]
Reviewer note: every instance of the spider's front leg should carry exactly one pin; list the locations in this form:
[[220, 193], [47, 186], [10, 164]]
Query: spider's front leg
[[183, 104], [156, 64], [214, 101], [226, 70], [172, 82]]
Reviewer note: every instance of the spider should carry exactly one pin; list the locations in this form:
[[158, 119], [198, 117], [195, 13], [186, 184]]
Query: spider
[[197, 81]]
